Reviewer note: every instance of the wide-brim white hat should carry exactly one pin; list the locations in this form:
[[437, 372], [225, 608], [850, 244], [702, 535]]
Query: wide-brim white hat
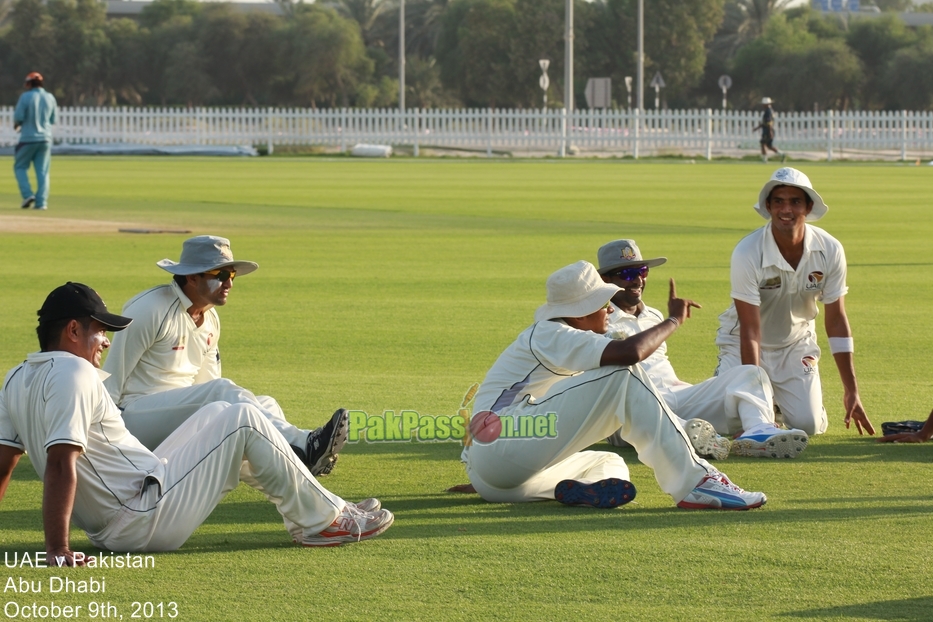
[[575, 291], [622, 254], [205, 253], [766, 101], [788, 176]]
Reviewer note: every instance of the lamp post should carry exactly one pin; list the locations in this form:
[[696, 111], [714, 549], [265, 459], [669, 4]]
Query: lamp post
[[401, 57]]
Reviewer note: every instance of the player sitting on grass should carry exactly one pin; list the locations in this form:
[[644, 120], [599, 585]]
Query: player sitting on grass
[[739, 400], [125, 497], [564, 368], [166, 365]]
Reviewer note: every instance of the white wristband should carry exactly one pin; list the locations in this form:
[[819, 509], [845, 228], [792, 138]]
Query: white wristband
[[841, 344]]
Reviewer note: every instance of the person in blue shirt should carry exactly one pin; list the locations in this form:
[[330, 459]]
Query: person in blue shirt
[[35, 114]]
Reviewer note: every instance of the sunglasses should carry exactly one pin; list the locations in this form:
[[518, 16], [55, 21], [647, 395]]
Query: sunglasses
[[221, 275], [630, 274]]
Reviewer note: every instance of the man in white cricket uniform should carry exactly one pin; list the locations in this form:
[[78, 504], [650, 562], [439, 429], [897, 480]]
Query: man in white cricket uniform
[[779, 273], [739, 401], [166, 365], [563, 373], [125, 497]]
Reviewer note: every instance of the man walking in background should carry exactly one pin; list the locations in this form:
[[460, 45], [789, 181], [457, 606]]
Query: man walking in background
[[767, 131], [35, 114]]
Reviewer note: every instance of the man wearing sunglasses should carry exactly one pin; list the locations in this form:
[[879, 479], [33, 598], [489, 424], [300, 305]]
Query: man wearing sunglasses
[[166, 365], [739, 401]]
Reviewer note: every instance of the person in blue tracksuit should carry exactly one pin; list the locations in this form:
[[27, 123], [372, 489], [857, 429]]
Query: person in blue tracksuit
[[36, 113]]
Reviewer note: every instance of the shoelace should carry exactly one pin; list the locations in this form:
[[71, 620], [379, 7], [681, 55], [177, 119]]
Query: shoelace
[[358, 516], [724, 481]]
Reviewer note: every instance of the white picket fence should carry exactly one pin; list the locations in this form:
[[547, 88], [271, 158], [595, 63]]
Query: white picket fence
[[703, 133]]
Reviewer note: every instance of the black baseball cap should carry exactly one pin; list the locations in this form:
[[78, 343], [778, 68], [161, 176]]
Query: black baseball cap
[[76, 300]]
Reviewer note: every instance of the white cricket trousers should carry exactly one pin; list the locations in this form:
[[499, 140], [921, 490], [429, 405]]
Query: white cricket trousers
[[152, 418], [738, 399], [203, 461], [795, 378], [589, 407]]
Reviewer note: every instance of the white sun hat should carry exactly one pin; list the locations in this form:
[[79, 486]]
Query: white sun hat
[[575, 291], [766, 100], [788, 176], [204, 253]]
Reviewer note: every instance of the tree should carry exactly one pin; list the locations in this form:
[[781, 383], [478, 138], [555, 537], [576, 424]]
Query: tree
[[875, 42], [328, 59], [676, 35], [908, 81], [474, 51], [791, 65]]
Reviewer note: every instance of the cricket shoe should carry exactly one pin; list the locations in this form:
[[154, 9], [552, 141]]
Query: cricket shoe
[[716, 492], [325, 442], [367, 506], [770, 442], [606, 493], [352, 525], [706, 442], [27, 202]]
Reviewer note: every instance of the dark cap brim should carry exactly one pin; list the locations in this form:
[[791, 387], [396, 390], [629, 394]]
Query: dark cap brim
[[112, 321]]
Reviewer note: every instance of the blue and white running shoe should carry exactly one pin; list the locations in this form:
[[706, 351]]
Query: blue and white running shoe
[[716, 492]]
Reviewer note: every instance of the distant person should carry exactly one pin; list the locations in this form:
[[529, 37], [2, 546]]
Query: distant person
[[123, 496], [36, 112], [166, 365], [767, 131], [779, 274], [739, 401]]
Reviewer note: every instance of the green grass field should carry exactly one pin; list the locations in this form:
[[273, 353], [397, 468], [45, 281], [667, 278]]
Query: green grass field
[[394, 285]]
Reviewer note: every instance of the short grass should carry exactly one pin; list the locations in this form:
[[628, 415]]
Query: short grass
[[394, 285]]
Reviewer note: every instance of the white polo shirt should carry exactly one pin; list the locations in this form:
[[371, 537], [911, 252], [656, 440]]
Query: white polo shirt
[[57, 398], [163, 348], [786, 297], [543, 354], [623, 325]]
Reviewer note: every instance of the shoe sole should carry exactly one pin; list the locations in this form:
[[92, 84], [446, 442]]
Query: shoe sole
[[338, 439], [606, 493], [685, 505], [349, 538], [28, 202], [787, 445], [706, 442]]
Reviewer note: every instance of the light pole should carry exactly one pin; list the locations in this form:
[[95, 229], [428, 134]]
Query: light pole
[[401, 57], [568, 57], [641, 55]]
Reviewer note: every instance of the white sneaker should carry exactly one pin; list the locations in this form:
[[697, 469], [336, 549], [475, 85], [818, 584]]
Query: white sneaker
[[706, 442], [27, 202], [351, 525], [369, 505], [716, 492], [771, 442]]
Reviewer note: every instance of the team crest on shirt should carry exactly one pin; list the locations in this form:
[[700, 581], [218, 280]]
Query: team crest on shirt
[[809, 364], [815, 280], [210, 337], [773, 283], [181, 343]]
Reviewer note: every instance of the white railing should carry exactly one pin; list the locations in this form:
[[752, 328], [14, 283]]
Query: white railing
[[704, 133]]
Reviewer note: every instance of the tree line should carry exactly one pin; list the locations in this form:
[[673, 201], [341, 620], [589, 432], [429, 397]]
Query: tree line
[[473, 53]]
